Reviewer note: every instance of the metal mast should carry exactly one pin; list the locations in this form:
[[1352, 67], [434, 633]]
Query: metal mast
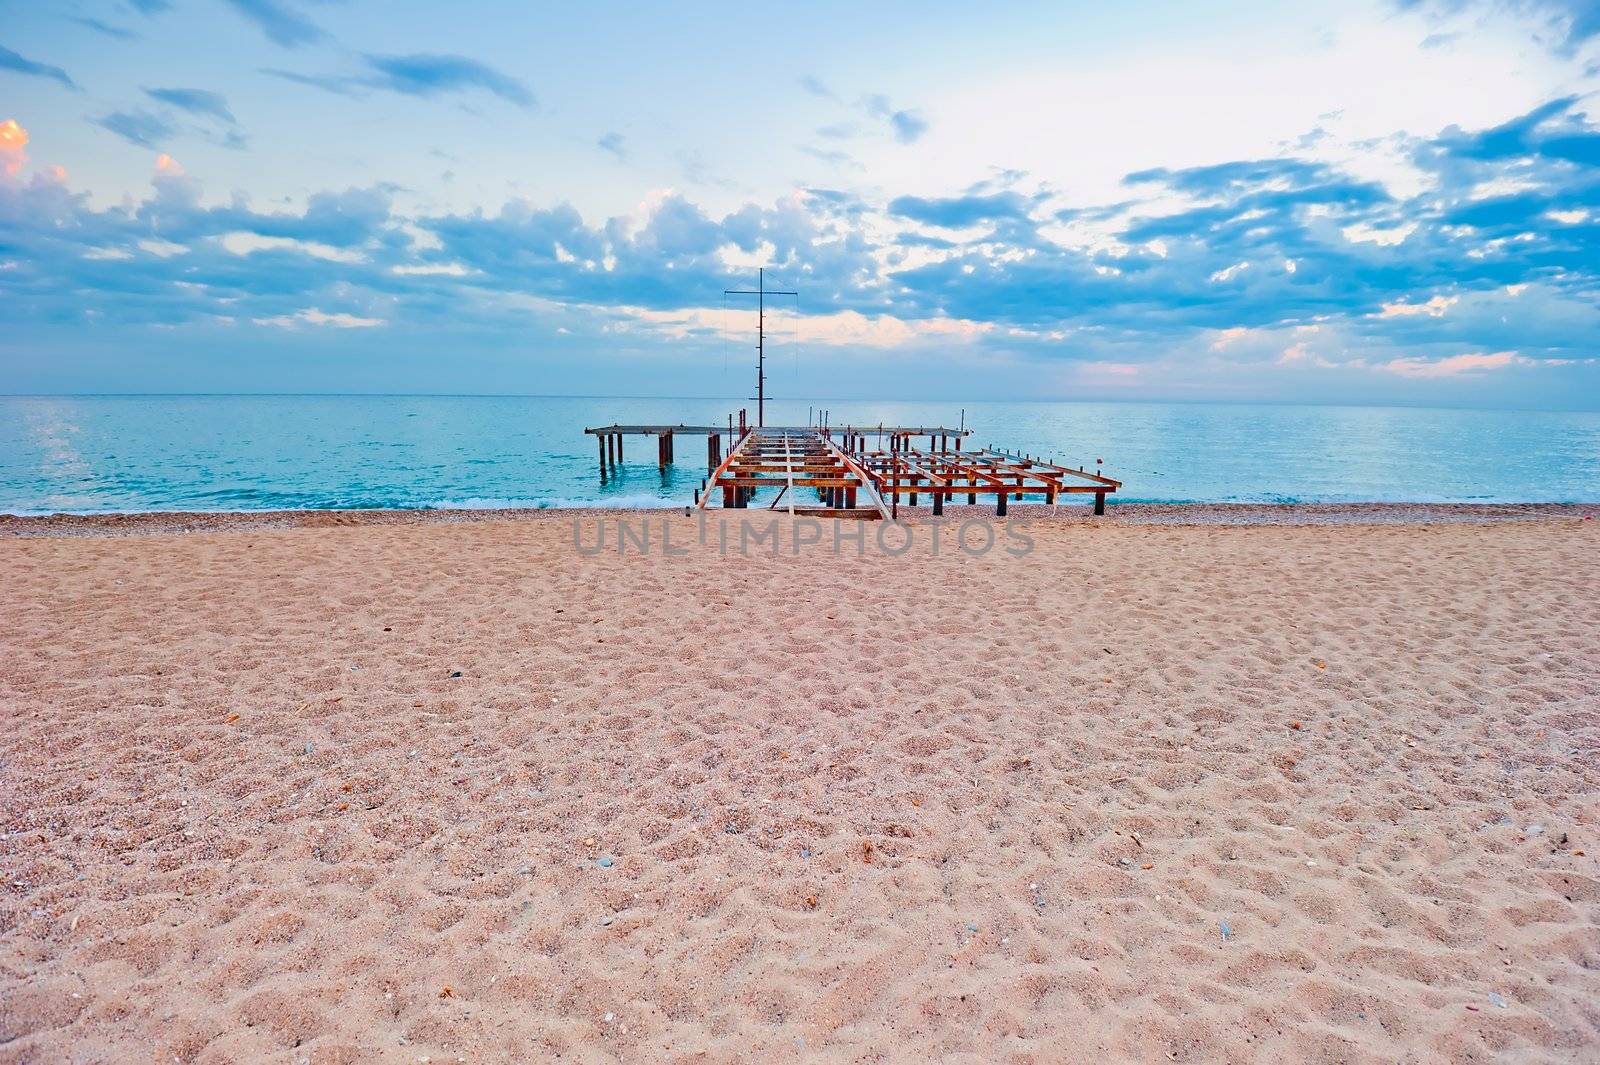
[[760, 292]]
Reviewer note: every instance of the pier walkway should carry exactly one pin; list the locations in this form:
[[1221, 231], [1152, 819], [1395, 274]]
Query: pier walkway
[[857, 471]]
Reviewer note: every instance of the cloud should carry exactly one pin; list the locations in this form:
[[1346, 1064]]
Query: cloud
[[314, 316], [816, 87], [337, 84], [1569, 24], [279, 20], [10, 60], [907, 126], [615, 143], [139, 128], [1550, 131], [430, 270], [833, 157], [195, 101], [13, 146], [116, 32], [960, 211], [1454, 365], [162, 249], [416, 75], [246, 242], [423, 74], [1012, 270], [1433, 308]]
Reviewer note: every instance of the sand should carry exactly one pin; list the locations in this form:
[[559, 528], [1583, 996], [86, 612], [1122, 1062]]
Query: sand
[[1151, 792]]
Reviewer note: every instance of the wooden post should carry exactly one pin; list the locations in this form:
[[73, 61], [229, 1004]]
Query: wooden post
[[1099, 503], [727, 496], [600, 438], [972, 497], [661, 452], [1000, 507], [938, 503], [850, 497]]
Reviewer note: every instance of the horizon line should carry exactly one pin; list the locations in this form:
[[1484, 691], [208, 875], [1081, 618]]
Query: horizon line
[[1363, 405]]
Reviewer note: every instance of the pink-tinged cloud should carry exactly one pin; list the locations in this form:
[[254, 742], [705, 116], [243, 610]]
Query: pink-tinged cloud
[[13, 145], [167, 166], [1454, 366], [1433, 308]]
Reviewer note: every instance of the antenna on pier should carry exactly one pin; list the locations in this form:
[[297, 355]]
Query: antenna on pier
[[761, 292]]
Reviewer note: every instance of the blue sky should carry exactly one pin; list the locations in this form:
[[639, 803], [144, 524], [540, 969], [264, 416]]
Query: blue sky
[[1388, 202]]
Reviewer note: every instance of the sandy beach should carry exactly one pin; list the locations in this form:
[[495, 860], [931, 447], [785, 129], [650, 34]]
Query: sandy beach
[[438, 791]]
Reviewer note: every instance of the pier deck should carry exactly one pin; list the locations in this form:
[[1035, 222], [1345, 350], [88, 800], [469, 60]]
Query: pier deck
[[857, 471]]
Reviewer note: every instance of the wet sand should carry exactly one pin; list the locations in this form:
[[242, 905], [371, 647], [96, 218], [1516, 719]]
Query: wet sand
[[333, 789]]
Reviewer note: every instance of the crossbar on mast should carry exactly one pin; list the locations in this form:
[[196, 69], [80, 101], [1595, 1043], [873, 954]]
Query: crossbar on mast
[[761, 292]]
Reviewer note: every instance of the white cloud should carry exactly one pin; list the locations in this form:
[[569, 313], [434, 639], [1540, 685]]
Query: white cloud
[[246, 243], [313, 316], [1362, 233], [842, 328], [163, 249], [432, 270]]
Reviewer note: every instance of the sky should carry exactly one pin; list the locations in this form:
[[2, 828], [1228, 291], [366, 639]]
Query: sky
[[1390, 202]]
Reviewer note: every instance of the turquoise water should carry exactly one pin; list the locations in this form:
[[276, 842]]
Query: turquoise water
[[133, 453]]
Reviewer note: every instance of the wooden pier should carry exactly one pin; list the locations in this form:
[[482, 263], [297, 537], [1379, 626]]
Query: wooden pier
[[856, 471]]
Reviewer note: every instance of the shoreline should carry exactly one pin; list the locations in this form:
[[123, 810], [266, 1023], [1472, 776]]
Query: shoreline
[[157, 522]]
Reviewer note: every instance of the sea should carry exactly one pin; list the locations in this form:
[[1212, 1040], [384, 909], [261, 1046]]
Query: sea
[[122, 454]]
